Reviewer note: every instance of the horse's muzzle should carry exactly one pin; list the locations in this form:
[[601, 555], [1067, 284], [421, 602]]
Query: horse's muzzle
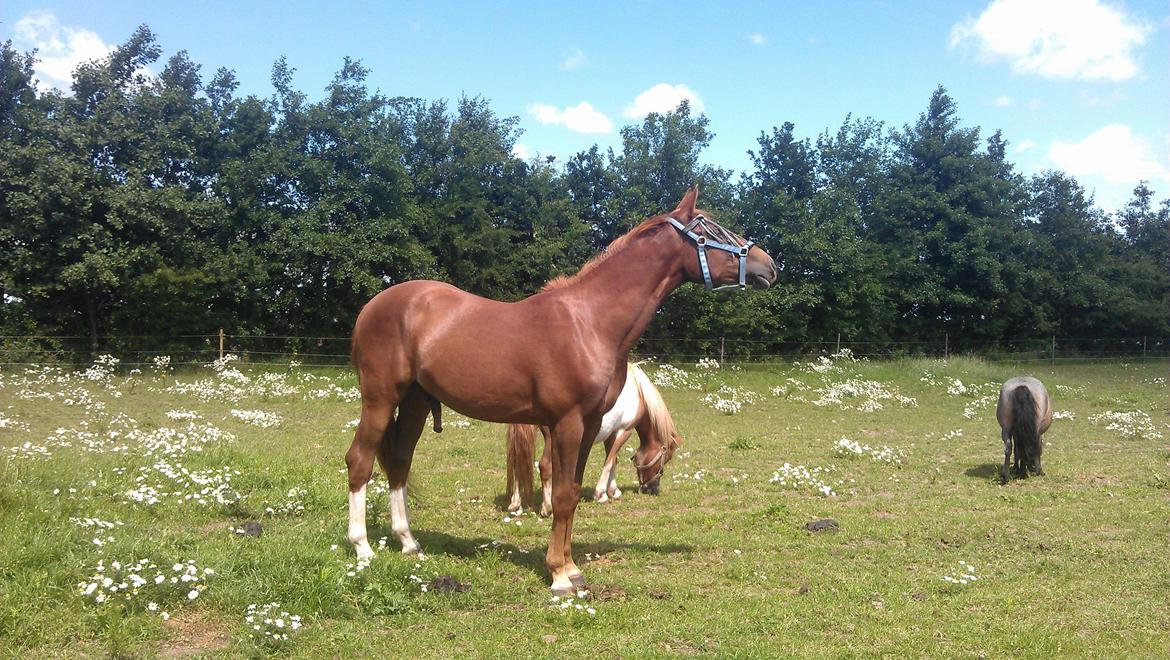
[[650, 488]]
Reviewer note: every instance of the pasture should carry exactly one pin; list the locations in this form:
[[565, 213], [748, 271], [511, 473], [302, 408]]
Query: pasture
[[112, 483]]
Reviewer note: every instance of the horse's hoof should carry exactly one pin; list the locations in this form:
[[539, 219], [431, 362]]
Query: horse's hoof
[[563, 590], [578, 580], [545, 511], [414, 549], [364, 554], [616, 494], [601, 498]]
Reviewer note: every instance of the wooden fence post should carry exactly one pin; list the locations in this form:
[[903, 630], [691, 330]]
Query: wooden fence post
[[1052, 351], [838, 342], [221, 343], [722, 345], [947, 346]]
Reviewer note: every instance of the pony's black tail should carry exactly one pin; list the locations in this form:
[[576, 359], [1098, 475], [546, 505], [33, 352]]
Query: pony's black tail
[[1025, 426], [520, 452]]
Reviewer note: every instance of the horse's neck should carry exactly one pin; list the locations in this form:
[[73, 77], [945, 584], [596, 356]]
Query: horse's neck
[[626, 289]]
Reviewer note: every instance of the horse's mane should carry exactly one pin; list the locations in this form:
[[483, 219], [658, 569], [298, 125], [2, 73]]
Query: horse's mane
[[660, 419], [619, 243]]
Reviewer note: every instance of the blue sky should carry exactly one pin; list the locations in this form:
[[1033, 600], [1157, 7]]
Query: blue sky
[[1077, 85]]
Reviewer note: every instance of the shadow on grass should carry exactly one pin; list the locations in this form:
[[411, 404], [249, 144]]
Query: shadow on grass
[[985, 471], [503, 500], [435, 543]]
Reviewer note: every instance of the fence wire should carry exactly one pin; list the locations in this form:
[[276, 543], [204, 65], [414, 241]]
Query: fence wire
[[139, 351]]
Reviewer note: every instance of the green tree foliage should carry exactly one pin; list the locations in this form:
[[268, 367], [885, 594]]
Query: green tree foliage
[[163, 204]]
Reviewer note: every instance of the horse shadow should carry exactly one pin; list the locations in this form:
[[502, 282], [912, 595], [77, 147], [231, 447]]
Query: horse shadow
[[440, 543], [984, 471], [503, 500]]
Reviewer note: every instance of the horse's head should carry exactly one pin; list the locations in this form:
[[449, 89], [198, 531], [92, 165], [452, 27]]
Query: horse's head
[[725, 259], [650, 460]]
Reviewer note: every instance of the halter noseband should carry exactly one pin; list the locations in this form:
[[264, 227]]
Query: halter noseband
[[660, 456], [704, 242]]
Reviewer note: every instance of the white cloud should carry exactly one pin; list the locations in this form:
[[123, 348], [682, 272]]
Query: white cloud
[[1003, 101], [1062, 39], [1024, 146], [662, 98], [575, 60], [521, 151], [581, 118], [756, 38], [59, 48], [1113, 153]]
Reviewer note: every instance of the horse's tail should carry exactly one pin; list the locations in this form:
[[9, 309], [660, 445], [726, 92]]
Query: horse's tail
[[661, 422], [521, 451], [1025, 425]]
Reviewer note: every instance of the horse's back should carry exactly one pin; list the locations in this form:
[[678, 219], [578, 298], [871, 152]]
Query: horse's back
[[1039, 396], [485, 358]]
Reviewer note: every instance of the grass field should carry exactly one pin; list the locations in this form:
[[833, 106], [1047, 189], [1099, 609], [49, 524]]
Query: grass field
[[108, 467]]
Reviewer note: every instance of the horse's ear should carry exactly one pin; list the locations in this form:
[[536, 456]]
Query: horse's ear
[[686, 208]]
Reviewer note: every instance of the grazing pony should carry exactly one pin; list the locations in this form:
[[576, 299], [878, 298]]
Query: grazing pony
[[557, 359], [1024, 413], [639, 407]]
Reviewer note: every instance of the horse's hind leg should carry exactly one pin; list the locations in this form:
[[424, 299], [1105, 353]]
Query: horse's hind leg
[[396, 455], [1007, 454], [376, 423]]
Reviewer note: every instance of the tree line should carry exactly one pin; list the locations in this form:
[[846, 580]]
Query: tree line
[[167, 204]]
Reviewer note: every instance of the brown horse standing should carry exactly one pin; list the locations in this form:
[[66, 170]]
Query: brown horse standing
[[556, 359]]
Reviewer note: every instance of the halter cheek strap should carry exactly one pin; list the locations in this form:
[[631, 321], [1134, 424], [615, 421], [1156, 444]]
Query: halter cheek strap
[[703, 242]]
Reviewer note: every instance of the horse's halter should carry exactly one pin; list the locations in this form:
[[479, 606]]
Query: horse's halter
[[726, 242], [660, 456]]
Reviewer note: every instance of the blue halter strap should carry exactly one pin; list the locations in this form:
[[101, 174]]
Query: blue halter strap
[[726, 244]]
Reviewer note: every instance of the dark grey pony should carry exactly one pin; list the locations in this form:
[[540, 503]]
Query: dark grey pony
[[1024, 413]]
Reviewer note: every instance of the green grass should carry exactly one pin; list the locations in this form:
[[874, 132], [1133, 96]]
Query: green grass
[[1071, 564]]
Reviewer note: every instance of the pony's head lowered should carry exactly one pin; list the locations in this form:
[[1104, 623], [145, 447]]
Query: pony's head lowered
[[658, 436]]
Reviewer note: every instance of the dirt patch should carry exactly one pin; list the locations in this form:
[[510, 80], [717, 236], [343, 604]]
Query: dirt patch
[[191, 634], [445, 584], [602, 593], [823, 525]]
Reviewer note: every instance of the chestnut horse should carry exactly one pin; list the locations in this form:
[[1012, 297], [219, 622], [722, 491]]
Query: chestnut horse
[[1024, 413], [639, 407], [557, 359]]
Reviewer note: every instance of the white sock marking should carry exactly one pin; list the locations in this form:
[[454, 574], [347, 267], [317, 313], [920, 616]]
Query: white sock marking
[[399, 522], [357, 524]]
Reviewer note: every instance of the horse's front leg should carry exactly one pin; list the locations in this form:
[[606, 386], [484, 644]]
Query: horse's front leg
[[569, 453], [1007, 454], [611, 456], [614, 491], [601, 492]]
